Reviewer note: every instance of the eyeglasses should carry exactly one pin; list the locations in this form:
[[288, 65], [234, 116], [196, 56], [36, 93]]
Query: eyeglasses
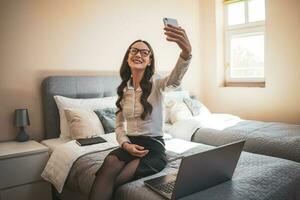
[[144, 52]]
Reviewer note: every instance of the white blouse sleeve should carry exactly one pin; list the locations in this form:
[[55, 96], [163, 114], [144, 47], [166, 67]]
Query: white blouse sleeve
[[120, 129], [173, 80]]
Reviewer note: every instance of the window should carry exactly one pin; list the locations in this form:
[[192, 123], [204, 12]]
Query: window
[[244, 26]]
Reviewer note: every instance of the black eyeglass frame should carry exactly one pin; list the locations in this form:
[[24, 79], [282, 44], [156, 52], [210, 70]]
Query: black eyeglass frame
[[142, 51]]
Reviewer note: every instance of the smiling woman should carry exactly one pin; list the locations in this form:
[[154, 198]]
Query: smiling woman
[[138, 69], [139, 118]]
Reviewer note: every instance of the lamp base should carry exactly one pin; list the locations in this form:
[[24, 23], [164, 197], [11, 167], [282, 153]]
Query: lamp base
[[22, 136]]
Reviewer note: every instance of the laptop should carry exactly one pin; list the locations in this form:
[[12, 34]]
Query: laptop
[[199, 171]]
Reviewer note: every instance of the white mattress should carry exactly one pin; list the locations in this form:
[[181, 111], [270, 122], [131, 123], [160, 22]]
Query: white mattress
[[53, 143]]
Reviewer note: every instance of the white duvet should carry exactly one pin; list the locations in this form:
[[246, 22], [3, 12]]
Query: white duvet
[[64, 155]]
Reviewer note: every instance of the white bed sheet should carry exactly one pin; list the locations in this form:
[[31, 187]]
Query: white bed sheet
[[54, 142]]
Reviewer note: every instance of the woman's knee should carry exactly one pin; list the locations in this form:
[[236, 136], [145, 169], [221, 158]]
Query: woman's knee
[[112, 163]]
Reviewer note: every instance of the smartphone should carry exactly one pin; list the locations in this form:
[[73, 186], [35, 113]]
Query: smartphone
[[171, 21]]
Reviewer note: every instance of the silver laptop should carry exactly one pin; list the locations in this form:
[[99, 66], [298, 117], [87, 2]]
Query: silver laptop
[[199, 171]]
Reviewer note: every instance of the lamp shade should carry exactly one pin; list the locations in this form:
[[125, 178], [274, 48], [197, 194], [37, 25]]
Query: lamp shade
[[21, 118]]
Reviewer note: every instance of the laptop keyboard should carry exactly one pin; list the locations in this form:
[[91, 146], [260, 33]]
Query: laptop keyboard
[[166, 187]]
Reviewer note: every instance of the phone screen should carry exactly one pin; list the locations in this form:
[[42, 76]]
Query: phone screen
[[170, 21]]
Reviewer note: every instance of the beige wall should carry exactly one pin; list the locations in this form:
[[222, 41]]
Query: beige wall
[[279, 100], [88, 37], [43, 37]]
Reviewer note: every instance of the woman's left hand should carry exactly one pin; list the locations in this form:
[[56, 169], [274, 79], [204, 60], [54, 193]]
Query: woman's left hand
[[178, 35]]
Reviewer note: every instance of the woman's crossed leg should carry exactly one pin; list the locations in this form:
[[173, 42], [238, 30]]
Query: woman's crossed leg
[[112, 174]]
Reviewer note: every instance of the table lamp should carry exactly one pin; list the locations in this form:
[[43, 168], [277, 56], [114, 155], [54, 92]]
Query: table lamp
[[22, 120]]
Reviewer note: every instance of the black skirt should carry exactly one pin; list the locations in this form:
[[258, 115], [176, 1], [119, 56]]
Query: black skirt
[[152, 163]]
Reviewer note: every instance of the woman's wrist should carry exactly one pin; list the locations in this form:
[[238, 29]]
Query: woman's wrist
[[186, 55], [124, 145]]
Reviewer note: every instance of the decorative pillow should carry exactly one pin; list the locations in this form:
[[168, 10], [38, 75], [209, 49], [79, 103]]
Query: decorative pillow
[[196, 107], [170, 99], [107, 117], [83, 123], [64, 103], [179, 112]]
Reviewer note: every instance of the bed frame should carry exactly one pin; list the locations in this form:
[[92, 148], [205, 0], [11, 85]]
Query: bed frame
[[73, 87]]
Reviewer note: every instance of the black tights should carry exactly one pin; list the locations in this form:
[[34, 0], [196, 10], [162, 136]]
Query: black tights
[[112, 174]]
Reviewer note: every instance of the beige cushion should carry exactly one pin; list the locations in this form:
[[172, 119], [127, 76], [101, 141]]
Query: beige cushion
[[83, 123]]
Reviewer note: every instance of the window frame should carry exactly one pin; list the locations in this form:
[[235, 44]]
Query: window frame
[[238, 30]]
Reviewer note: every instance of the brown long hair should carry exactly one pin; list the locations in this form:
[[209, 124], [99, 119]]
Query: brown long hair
[[146, 84]]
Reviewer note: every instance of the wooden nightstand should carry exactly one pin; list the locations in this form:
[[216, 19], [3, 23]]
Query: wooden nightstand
[[21, 165]]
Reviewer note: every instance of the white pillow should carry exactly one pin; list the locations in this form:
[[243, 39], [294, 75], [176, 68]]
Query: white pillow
[[180, 112], [170, 99], [64, 103], [167, 109]]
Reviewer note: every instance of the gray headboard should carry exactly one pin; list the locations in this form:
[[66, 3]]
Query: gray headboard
[[73, 87]]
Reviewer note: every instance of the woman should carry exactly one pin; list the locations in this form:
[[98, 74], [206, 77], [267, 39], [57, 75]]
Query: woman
[[140, 106]]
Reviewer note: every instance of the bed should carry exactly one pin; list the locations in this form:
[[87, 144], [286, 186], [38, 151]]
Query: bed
[[268, 138], [256, 176]]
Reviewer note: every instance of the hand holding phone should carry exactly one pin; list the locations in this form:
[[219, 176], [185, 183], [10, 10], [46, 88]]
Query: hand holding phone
[[178, 35], [171, 21]]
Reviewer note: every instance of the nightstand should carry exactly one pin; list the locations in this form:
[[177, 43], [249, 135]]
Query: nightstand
[[21, 166]]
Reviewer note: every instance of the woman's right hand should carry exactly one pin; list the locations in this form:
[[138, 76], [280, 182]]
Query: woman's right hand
[[135, 150]]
